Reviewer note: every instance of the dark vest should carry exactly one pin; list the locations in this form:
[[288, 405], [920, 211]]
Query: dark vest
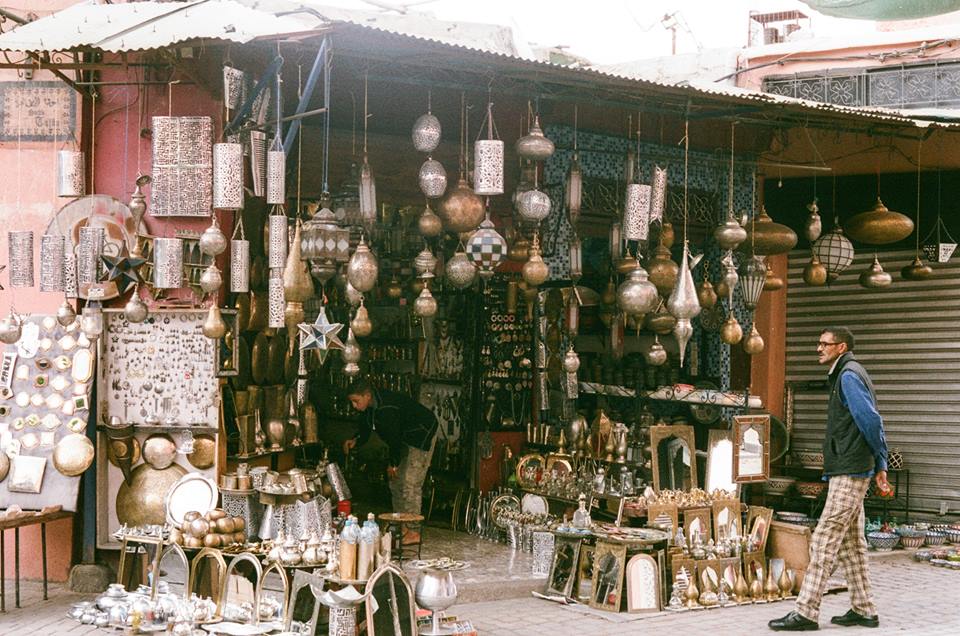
[[845, 451]]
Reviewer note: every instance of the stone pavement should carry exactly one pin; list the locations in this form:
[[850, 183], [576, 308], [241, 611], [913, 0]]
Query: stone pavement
[[914, 598]]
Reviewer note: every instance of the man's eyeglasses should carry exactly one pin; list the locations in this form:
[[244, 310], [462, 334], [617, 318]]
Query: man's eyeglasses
[[827, 344]]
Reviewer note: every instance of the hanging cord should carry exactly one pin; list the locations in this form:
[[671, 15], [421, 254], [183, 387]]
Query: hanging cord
[[636, 160], [576, 117], [366, 113], [730, 173], [463, 134], [326, 122], [300, 136], [686, 166], [93, 142], [917, 229], [126, 137]]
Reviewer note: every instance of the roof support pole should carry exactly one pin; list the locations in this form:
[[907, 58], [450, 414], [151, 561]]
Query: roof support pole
[[319, 64]]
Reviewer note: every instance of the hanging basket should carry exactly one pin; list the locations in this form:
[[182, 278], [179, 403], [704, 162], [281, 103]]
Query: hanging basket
[[935, 248]]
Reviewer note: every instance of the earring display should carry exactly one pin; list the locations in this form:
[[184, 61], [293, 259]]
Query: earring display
[[52, 248], [182, 166], [20, 258]]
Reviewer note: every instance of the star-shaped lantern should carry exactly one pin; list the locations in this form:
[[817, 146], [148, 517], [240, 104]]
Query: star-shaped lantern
[[123, 269], [321, 336]]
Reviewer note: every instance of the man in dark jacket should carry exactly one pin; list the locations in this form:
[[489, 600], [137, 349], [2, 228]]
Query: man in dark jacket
[[854, 451], [409, 430]]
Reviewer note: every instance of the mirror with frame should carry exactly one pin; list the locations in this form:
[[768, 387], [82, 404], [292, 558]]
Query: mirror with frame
[[720, 463], [673, 457], [731, 570], [726, 519], [709, 570], [273, 594], [390, 606], [585, 573], [240, 584], [696, 521], [754, 566], [139, 561], [174, 568], [563, 570], [664, 516], [751, 449], [609, 563], [643, 584], [758, 526], [208, 571], [303, 606]]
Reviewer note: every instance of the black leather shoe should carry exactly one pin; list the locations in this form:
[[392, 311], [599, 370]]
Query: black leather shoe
[[793, 622], [852, 618]]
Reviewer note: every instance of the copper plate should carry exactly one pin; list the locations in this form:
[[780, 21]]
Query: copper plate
[[204, 451]]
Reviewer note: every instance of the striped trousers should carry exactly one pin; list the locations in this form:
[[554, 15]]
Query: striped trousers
[[839, 540]]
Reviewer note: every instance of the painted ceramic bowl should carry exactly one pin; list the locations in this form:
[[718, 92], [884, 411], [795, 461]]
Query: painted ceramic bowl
[[778, 485], [883, 541], [953, 536], [912, 542], [809, 459], [922, 555], [810, 488], [912, 532], [935, 538]]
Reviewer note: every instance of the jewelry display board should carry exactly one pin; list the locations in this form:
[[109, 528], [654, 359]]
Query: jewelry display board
[[45, 384]]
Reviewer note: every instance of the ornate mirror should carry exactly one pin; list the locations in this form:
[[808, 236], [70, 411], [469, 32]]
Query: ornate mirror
[[751, 450], [674, 462], [726, 519], [643, 584], [273, 593], [720, 463], [564, 568], [174, 569], [585, 574], [241, 581], [391, 610], [208, 572], [609, 562], [303, 606]]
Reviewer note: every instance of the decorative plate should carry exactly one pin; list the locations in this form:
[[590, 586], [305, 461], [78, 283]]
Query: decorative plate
[[502, 504], [193, 492], [533, 504]]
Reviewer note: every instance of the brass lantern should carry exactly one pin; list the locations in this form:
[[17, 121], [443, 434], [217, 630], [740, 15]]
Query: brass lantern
[[324, 244], [753, 274]]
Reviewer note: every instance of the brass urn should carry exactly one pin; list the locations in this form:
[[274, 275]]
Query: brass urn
[[706, 294], [917, 270], [753, 344], [731, 332], [663, 270], [815, 272], [875, 277]]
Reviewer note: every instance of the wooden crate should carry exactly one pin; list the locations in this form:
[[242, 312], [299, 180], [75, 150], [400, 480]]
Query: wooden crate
[[791, 543]]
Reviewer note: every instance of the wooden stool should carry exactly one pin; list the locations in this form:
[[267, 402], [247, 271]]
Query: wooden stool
[[394, 523]]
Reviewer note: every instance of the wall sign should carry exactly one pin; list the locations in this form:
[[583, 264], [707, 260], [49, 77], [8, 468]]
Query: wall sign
[[43, 111]]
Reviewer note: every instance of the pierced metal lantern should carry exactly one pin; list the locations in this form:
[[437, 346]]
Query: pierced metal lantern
[[534, 145], [20, 258], [70, 287], [939, 246], [488, 167], [425, 262], [616, 242], [486, 248], [277, 249], [240, 266], [324, 244], [429, 224], [533, 206], [574, 189], [52, 248], [460, 271], [425, 305], [576, 258], [275, 300], [276, 177], [433, 179], [636, 212], [167, 263], [363, 269], [835, 251], [70, 174], [426, 132], [658, 195], [182, 169], [753, 273], [233, 80], [213, 241], [89, 252], [637, 296], [368, 195], [227, 176], [258, 162]]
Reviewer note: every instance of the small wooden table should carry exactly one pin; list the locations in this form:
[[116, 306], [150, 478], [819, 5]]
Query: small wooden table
[[15, 523], [394, 522]]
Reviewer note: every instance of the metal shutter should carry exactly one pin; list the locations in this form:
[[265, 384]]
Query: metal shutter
[[908, 338]]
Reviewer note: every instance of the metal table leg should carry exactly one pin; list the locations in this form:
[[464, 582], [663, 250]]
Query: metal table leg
[[16, 567], [43, 549]]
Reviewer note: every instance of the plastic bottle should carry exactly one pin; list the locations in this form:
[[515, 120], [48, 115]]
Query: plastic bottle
[[348, 550], [369, 538]]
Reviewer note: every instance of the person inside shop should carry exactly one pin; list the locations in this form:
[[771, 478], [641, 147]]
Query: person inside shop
[[409, 429], [854, 452]]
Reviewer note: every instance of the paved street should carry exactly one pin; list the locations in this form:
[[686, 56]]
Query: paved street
[[913, 599]]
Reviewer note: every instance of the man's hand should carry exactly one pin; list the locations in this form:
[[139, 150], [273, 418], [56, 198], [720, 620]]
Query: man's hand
[[348, 444], [392, 472], [882, 482]]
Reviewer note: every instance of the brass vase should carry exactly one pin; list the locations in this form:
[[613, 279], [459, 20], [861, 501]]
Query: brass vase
[[756, 589], [740, 589], [770, 588], [274, 416], [692, 594], [785, 583], [663, 270]]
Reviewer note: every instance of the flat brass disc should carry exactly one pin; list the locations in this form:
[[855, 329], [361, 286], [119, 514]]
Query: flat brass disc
[[204, 451], [142, 501]]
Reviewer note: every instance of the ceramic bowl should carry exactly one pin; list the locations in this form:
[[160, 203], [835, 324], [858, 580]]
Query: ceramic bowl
[[883, 541], [911, 542], [935, 538], [778, 485], [911, 532], [953, 536], [810, 488], [809, 459], [922, 555]]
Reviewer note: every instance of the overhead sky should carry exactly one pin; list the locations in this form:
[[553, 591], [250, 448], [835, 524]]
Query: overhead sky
[[609, 31]]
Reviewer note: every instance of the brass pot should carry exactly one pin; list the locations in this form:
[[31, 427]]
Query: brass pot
[[663, 271], [242, 305], [879, 226], [204, 451], [917, 270], [73, 454], [142, 501], [462, 209], [260, 358], [706, 294], [815, 272], [276, 356], [772, 282], [765, 236]]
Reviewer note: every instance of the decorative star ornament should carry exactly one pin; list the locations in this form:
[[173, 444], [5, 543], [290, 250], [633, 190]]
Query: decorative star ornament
[[123, 269], [321, 336]]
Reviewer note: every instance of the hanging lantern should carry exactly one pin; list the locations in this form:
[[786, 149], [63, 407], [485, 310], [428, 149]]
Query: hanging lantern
[[167, 263], [297, 286], [429, 224], [426, 132], [730, 278], [574, 189], [91, 321], [753, 344], [535, 272], [765, 236], [425, 304], [682, 331], [636, 212], [65, 313], [135, 311], [636, 295], [20, 258], [460, 272], [486, 248], [368, 195], [571, 361], [361, 325], [275, 299], [656, 355], [88, 254], [658, 195], [616, 338], [706, 295], [874, 277], [51, 262], [534, 145], [814, 273], [462, 209], [814, 225], [534, 206], [353, 296], [663, 271], [278, 241], [488, 167], [10, 329], [211, 279], [363, 269], [879, 226], [70, 174], [276, 175], [616, 242], [729, 234], [753, 274], [683, 303], [576, 259], [935, 248], [772, 282], [213, 325], [730, 332], [425, 262], [834, 250], [227, 176], [257, 149], [70, 287], [917, 270], [239, 265], [351, 349], [433, 179], [324, 243], [571, 314], [212, 241], [661, 321]]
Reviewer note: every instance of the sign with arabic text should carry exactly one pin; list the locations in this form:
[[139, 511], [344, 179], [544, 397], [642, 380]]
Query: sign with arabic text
[[37, 111]]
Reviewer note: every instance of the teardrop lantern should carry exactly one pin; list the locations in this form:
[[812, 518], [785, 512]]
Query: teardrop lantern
[[462, 209], [636, 295], [535, 271], [874, 277], [362, 270], [297, 284], [351, 349], [879, 225], [814, 273], [534, 145], [433, 179], [753, 344], [361, 324], [135, 311], [706, 294], [730, 332], [214, 327], [460, 272], [683, 303]]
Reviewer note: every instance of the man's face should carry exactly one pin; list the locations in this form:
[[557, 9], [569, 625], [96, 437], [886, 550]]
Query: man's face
[[828, 349], [361, 401]]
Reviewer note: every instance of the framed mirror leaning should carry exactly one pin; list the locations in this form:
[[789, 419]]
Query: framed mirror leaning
[[609, 563], [720, 462], [390, 603], [674, 460], [751, 449], [726, 519], [566, 557]]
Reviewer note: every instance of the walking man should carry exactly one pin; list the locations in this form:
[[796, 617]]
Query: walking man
[[854, 451], [409, 430]]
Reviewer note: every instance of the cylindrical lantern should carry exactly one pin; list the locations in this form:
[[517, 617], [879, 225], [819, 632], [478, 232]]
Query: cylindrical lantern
[[574, 189], [70, 272], [277, 251], [368, 195], [636, 212], [20, 258], [488, 167], [276, 177], [571, 314], [233, 79], [240, 266], [88, 254], [70, 174], [227, 176], [51, 262], [576, 258], [616, 242], [275, 300], [658, 197], [167, 263], [258, 161]]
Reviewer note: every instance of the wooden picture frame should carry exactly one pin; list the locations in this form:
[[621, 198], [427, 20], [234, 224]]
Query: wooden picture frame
[[720, 445], [684, 434], [563, 569], [726, 513], [758, 525], [643, 585], [609, 564], [697, 520], [751, 448], [584, 582]]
